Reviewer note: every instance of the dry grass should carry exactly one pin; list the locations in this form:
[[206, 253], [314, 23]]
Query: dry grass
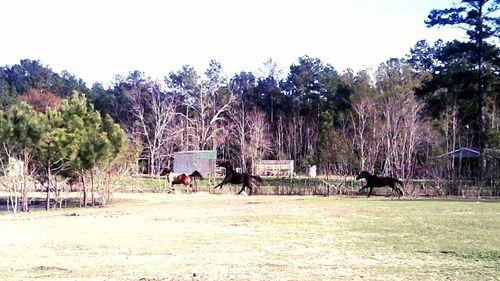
[[227, 237]]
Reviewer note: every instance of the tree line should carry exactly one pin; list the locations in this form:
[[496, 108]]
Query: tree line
[[395, 119]]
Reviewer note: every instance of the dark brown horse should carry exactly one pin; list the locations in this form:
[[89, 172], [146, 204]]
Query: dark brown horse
[[180, 178], [238, 178], [376, 181]]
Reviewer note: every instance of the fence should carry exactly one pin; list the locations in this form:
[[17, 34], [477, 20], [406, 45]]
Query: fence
[[273, 168]]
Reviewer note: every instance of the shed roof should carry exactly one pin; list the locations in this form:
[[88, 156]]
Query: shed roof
[[273, 162], [462, 152], [200, 154], [465, 152]]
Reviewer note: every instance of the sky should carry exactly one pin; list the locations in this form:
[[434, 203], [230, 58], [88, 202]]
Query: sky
[[98, 39]]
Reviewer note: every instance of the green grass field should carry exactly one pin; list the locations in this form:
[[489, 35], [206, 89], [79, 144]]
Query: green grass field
[[427, 239]]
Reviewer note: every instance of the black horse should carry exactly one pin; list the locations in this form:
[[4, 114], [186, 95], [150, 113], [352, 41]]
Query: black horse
[[237, 178], [376, 181]]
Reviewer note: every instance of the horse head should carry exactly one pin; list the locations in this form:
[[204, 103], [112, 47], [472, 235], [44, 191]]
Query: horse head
[[165, 171], [197, 175], [226, 165], [363, 175]]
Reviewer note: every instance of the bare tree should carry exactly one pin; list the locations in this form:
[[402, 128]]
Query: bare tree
[[279, 138], [154, 112], [250, 133], [205, 101], [403, 128], [387, 121], [405, 132], [366, 123], [259, 139], [362, 118], [294, 132], [239, 130], [12, 181]]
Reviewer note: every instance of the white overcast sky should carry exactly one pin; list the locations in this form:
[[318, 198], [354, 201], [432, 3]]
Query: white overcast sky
[[98, 39]]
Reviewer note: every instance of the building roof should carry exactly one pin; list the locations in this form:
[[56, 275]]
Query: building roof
[[465, 152], [274, 161], [199, 154]]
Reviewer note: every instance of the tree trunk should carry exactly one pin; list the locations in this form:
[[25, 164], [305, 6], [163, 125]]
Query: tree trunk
[[84, 190], [24, 187], [24, 195], [49, 181], [151, 163], [482, 97], [92, 188]]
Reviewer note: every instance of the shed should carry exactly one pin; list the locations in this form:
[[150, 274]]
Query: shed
[[202, 161], [465, 152], [273, 168], [466, 164]]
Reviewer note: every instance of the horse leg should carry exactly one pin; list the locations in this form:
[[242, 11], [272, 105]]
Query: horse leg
[[370, 192], [166, 186], [250, 187], [224, 181], [400, 191], [393, 189], [396, 189], [366, 186], [242, 188]]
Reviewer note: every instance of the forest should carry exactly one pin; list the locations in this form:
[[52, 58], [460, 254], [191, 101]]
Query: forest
[[397, 119]]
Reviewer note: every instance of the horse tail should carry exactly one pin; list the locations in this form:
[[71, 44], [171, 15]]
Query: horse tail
[[399, 190], [196, 174], [258, 179]]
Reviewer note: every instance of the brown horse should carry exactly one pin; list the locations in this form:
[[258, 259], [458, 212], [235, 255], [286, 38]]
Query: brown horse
[[376, 181], [180, 178], [238, 178]]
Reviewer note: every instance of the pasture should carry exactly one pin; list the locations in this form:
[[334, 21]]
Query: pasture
[[201, 236]]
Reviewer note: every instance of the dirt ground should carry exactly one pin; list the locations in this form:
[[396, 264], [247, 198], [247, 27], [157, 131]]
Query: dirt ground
[[186, 237], [170, 237]]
